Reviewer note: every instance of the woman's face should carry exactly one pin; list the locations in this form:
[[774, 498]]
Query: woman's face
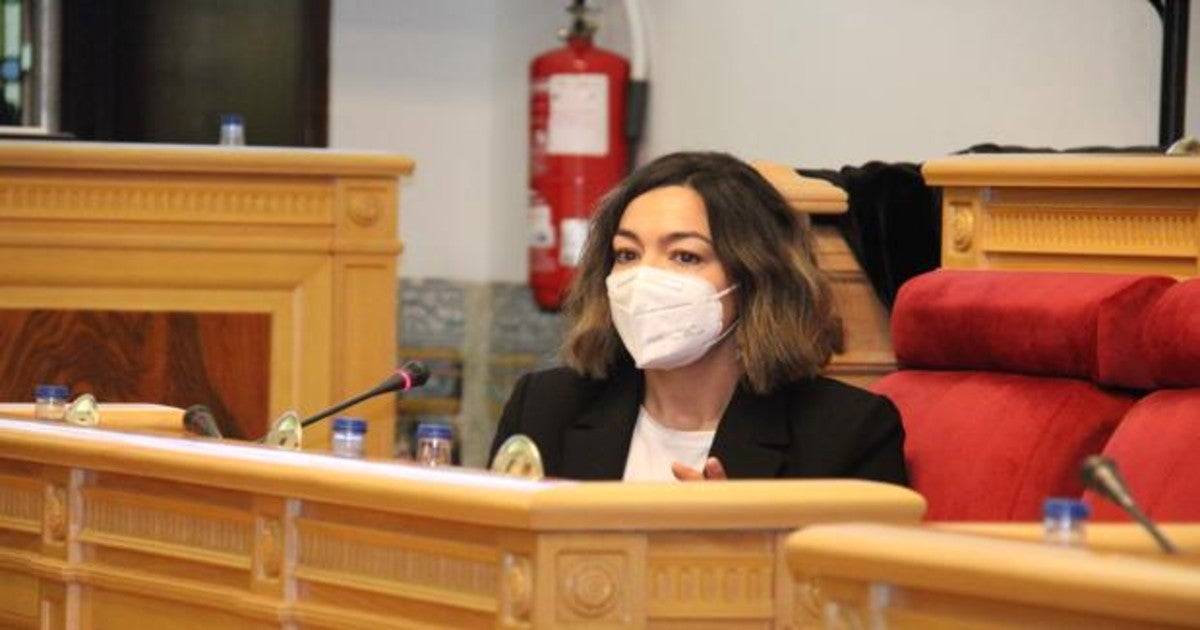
[[668, 228]]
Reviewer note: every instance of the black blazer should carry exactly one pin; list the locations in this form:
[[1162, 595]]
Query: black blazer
[[812, 428]]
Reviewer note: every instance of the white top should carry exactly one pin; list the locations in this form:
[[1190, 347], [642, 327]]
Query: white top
[[655, 447]]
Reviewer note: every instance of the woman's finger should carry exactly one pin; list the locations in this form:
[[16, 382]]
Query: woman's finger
[[713, 469]]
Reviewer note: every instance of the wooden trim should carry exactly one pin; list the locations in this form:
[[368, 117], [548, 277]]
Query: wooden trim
[[1064, 170]]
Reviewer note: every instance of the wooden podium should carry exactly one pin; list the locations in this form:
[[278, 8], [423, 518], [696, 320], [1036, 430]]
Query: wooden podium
[[1070, 212], [104, 529], [249, 279], [996, 576]]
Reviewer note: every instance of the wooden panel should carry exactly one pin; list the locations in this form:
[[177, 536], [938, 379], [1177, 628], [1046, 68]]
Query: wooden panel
[[180, 359], [1101, 213], [272, 269], [19, 599], [868, 575], [867, 354], [123, 610], [150, 531]]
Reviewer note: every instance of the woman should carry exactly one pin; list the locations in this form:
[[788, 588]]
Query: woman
[[698, 323]]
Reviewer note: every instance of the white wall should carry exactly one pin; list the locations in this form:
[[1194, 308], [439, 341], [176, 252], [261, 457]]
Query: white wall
[[813, 83]]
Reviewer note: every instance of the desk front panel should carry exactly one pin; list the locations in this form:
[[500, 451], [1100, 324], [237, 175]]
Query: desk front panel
[[105, 529]]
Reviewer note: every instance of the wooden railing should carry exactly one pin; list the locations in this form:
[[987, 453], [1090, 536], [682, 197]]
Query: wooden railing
[[104, 529]]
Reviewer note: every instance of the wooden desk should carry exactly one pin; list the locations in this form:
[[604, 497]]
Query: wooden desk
[[871, 575], [135, 417], [249, 279], [1111, 213], [103, 529]]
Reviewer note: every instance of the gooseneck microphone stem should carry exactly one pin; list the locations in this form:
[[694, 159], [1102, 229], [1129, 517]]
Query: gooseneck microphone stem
[[410, 375], [1164, 543], [329, 411], [1100, 474]]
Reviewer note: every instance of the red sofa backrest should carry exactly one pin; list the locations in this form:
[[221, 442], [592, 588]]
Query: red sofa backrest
[[1000, 382], [1157, 445]]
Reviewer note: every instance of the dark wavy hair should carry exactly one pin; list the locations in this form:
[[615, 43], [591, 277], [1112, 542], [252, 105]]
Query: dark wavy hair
[[788, 324]]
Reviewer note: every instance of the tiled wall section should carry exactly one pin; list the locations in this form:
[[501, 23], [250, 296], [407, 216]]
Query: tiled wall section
[[477, 339]]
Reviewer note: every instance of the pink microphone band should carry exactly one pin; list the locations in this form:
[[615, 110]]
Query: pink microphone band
[[407, 380]]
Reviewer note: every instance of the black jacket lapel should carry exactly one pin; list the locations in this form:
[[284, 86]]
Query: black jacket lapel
[[753, 436], [596, 444]]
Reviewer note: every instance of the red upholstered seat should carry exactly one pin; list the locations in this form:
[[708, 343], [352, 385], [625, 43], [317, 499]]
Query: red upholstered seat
[[1157, 446], [1080, 325], [987, 446], [1157, 449], [1172, 336], [998, 387]]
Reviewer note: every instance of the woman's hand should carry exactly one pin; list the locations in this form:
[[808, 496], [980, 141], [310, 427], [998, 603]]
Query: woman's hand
[[712, 470]]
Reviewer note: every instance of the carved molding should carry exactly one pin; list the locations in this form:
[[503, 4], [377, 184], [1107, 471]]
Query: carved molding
[[188, 201], [56, 516], [20, 505], [517, 584], [962, 227], [270, 548], [1036, 229], [402, 559], [591, 586], [842, 616], [810, 600], [712, 582], [168, 524]]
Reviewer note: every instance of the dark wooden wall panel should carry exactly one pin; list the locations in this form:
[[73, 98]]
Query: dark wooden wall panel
[[217, 359]]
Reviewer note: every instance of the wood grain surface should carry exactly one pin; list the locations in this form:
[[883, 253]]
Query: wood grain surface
[[181, 359]]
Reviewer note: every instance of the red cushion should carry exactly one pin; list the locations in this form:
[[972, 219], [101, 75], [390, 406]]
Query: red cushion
[[1172, 336], [1157, 450], [1047, 323], [989, 446]]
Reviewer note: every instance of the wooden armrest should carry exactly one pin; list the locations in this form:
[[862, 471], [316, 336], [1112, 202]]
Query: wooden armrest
[[803, 194]]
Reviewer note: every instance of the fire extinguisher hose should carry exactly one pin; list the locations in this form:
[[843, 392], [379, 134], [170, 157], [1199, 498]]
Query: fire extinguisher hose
[[638, 92]]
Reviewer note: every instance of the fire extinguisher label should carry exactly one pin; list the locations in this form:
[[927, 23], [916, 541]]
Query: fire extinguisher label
[[578, 115], [541, 230], [574, 235]]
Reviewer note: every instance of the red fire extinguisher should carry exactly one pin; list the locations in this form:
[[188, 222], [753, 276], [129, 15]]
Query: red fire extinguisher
[[578, 151]]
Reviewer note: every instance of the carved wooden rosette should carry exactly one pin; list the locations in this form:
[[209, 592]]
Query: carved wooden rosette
[[366, 204], [592, 586], [594, 581], [962, 223]]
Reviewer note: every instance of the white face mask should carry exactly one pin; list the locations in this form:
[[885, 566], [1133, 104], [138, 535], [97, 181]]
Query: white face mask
[[665, 319]]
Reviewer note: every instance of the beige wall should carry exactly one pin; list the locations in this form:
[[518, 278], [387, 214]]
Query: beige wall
[[813, 83]]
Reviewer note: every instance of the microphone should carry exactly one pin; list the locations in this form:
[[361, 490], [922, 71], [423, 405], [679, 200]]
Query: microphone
[[411, 374], [1100, 474], [199, 419]]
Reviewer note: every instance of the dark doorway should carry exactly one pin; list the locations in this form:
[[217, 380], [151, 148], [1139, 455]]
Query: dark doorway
[[154, 71]]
